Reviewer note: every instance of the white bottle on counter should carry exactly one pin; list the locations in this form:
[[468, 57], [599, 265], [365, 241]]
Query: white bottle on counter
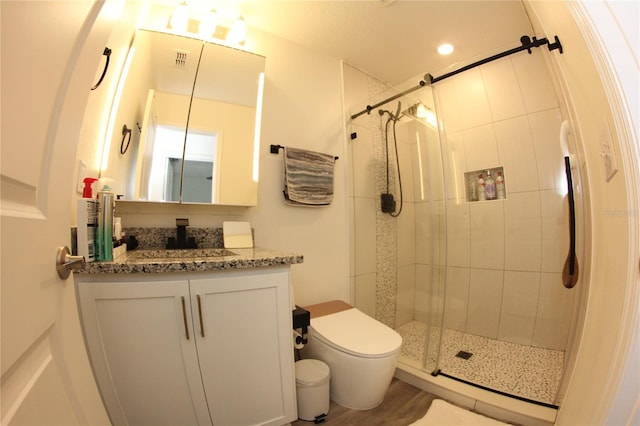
[[117, 228]]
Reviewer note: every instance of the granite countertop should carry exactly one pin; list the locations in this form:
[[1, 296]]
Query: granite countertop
[[191, 260]]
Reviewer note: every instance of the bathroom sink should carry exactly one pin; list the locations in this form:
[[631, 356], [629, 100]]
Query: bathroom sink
[[186, 254]]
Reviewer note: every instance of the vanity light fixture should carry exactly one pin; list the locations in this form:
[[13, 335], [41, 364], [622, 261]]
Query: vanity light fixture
[[445, 49], [211, 24]]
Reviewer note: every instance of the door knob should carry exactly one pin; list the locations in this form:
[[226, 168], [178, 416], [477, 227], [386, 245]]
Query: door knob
[[65, 262]]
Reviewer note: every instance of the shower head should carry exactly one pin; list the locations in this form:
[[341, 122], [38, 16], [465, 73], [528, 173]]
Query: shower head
[[421, 112]]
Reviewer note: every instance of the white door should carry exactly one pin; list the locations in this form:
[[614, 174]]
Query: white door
[[50, 53]]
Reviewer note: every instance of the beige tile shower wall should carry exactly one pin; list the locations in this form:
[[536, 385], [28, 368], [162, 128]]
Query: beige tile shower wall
[[374, 272], [505, 257]]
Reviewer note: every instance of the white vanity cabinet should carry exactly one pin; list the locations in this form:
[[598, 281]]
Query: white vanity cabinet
[[208, 348]]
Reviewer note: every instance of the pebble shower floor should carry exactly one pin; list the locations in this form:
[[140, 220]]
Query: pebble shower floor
[[520, 370]]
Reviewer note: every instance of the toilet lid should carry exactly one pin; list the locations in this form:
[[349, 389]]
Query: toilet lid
[[354, 332]]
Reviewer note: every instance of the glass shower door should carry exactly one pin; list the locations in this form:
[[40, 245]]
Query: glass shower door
[[422, 331], [508, 319]]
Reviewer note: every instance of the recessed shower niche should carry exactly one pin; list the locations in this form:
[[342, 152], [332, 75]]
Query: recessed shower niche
[[485, 184]]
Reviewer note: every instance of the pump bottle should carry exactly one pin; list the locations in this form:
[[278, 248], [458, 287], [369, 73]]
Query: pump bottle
[[87, 222]]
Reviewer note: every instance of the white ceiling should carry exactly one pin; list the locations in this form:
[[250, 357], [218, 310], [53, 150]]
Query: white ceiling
[[394, 40]]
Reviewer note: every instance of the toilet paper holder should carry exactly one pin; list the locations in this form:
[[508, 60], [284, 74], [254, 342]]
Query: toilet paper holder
[[301, 320]]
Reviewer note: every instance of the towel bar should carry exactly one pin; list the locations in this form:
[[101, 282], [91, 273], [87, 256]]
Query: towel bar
[[274, 149]]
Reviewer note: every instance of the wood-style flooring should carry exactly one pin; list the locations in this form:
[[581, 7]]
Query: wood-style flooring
[[403, 404]]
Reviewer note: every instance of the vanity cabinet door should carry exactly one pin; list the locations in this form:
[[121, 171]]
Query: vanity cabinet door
[[141, 345], [244, 340]]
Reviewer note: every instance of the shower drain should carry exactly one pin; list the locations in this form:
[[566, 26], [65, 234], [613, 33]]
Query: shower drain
[[464, 355]]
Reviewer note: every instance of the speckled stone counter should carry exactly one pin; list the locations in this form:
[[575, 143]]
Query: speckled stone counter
[[194, 260]]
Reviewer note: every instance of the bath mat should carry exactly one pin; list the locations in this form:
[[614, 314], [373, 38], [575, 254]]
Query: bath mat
[[441, 413]]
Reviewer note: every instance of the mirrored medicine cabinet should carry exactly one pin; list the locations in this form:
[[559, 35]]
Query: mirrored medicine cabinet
[[187, 122]]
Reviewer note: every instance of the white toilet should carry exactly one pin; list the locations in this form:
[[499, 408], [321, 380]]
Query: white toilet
[[361, 353]]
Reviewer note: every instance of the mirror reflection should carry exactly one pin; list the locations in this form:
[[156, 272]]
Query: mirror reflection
[[196, 114]]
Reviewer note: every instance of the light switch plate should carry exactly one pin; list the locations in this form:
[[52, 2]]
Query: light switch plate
[[82, 173], [607, 153]]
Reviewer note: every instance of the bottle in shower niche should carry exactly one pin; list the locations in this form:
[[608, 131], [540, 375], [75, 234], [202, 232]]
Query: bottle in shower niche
[[482, 195], [490, 187], [104, 234], [500, 191], [473, 188]]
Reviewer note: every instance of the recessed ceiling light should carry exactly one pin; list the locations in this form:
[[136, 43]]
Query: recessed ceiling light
[[445, 49]]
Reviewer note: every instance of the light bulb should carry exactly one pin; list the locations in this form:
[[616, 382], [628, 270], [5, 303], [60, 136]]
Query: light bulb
[[208, 23], [238, 31], [180, 18], [445, 49]]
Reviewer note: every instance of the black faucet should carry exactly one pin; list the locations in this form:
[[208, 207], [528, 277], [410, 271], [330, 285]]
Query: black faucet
[[181, 241]]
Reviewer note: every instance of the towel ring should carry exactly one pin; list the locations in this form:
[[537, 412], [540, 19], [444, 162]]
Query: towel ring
[[125, 132]]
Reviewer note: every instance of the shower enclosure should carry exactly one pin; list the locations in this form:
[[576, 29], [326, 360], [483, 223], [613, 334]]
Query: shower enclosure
[[472, 281]]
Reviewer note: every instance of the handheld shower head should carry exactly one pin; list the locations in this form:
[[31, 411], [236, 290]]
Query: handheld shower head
[[397, 116]]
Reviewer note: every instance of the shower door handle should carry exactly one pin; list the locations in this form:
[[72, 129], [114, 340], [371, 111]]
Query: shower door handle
[[570, 270]]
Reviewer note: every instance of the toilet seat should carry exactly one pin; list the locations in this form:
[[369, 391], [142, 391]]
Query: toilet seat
[[353, 332]]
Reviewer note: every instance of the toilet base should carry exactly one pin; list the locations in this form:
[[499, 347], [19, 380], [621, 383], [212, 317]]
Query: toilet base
[[356, 383]]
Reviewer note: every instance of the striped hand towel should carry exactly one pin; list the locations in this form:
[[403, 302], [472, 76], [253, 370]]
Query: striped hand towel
[[308, 177]]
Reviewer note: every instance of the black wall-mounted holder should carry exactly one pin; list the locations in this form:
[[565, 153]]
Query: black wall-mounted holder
[[106, 52], [301, 320], [387, 203]]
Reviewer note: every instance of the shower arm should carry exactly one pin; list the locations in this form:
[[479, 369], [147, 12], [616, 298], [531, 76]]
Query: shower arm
[[527, 44]]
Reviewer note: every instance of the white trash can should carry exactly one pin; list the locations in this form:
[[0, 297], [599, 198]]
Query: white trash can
[[312, 389]]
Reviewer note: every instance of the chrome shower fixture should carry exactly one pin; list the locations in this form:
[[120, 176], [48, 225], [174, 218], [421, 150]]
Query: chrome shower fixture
[[392, 116]]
